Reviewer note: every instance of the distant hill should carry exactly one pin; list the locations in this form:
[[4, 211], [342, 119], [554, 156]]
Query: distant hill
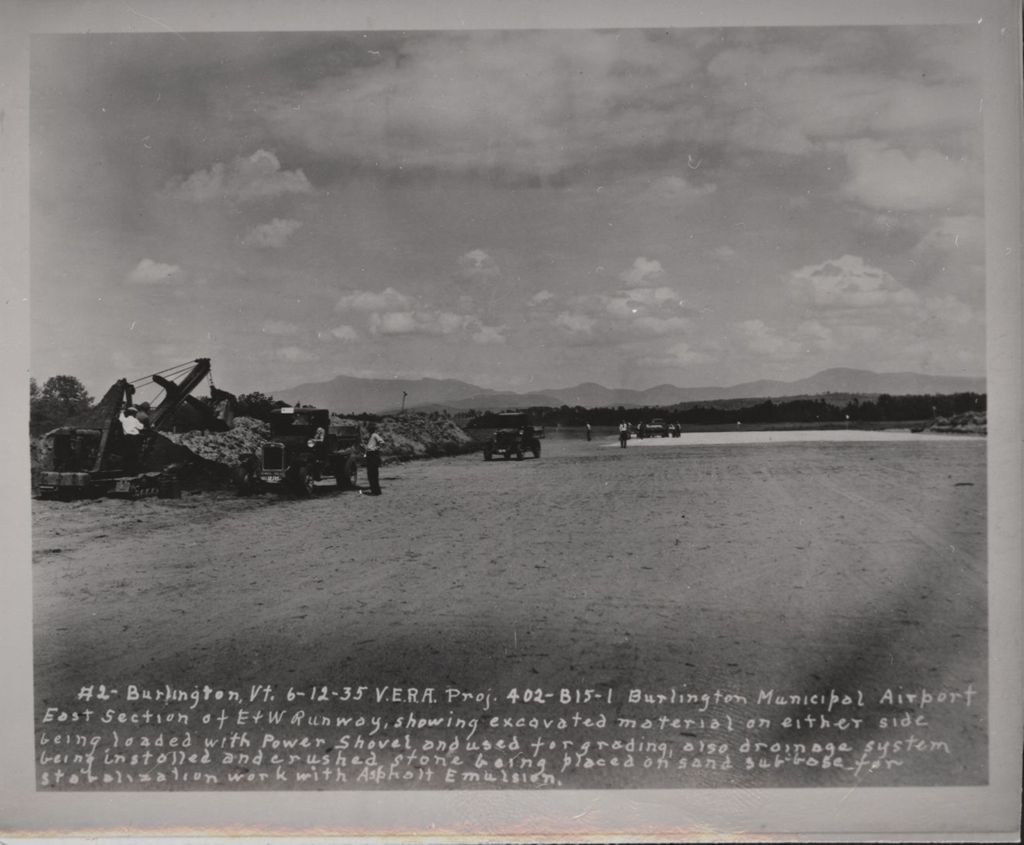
[[845, 380], [352, 395], [838, 380], [348, 394], [838, 399], [497, 401]]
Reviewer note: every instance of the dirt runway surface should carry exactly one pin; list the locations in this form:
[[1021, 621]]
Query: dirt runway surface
[[708, 603]]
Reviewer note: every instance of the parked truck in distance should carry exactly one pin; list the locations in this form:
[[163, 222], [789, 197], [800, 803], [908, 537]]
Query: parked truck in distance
[[656, 428], [304, 447], [514, 436]]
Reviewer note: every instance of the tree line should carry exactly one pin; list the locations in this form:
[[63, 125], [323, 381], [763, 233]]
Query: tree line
[[62, 397], [59, 399], [883, 408]]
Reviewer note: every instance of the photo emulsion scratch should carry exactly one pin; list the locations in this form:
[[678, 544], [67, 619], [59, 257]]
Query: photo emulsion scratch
[[509, 409]]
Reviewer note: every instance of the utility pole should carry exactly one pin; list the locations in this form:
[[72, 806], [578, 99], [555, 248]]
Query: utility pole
[[404, 394]]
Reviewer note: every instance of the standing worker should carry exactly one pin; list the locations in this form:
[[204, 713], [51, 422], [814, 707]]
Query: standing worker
[[588, 432], [623, 433], [132, 429], [373, 447]]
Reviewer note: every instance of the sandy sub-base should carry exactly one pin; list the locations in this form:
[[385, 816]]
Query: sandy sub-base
[[800, 568]]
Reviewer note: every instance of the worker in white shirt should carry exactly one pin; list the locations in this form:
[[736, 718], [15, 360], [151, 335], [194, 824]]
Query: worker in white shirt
[[132, 428], [372, 448]]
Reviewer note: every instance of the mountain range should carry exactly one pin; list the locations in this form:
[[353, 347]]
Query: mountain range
[[352, 395]]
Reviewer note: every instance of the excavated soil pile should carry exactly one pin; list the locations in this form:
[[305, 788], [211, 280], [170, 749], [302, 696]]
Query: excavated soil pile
[[226, 447], [420, 436], [970, 423], [405, 438]]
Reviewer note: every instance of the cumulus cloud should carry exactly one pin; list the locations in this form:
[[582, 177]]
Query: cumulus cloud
[[417, 322], [643, 272], [636, 300], [296, 355], [847, 283], [815, 334], [679, 354], [949, 309], [676, 190], [855, 311], [255, 177], [540, 298], [634, 312], [149, 272], [477, 265], [435, 322], [764, 340], [388, 299], [272, 235], [575, 323], [488, 334], [345, 333], [891, 179], [657, 326], [398, 322], [279, 327]]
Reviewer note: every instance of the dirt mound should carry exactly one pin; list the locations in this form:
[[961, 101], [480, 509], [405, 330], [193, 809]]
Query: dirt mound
[[973, 422], [225, 447], [413, 436], [407, 437]]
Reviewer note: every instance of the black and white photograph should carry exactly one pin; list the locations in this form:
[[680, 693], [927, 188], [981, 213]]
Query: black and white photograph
[[541, 409]]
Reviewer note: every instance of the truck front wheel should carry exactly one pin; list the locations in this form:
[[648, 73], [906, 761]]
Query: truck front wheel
[[347, 475], [305, 484]]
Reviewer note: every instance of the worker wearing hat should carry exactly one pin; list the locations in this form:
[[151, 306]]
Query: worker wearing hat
[[132, 428]]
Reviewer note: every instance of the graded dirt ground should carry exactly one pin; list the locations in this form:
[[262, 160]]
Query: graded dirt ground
[[795, 568]]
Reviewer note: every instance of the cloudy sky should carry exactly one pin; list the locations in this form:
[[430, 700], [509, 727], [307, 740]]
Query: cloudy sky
[[520, 209]]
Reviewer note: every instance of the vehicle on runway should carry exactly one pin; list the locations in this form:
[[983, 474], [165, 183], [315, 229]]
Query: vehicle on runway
[[514, 436], [656, 428], [304, 447]]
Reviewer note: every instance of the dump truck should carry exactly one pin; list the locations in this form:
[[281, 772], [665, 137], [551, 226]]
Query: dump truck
[[90, 454], [305, 447]]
